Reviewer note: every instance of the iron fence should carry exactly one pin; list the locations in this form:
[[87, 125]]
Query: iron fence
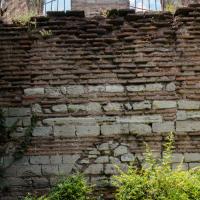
[[57, 5]]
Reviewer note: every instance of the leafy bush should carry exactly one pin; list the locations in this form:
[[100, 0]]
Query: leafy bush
[[157, 181], [73, 187], [24, 18]]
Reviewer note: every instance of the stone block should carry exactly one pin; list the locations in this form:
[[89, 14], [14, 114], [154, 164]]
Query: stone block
[[112, 169], [53, 91], [113, 107], [34, 91], [187, 126], [42, 131], [164, 104], [103, 147], [10, 121], [102, 159], [48, 170], [113, 129], [94, 169], [70, 121], [64, 131], [75, 90], [153, 87], [142, 105], [194, 165], [19, 112], [26, 121], [77, 107], [128, 106], [59, 108], [114, 160], [98, 88], [65, 169], [177, 157], [170, 87], [140, 119], [39, 160], [56, 159], [129, 157], [93, 107], [163, 127], [181, 115], [70, 159], [85, 131], [184, 166], [120, 150], [135, 88], [139, 128], [192, 157], [31, 170], [188, 104], [36, 108], [114, 88]]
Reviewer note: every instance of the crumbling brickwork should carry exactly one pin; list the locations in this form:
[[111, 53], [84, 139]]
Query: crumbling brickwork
[[100, 88]]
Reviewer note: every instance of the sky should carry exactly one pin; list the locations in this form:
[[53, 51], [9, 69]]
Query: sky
[[60, 5]]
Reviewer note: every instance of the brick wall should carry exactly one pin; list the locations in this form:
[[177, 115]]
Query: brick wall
[[94, 7], [100, 88]]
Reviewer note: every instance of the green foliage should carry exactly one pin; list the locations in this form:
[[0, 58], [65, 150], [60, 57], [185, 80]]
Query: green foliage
[[74, 187], [46, 33], [157, 181], [24, 19]]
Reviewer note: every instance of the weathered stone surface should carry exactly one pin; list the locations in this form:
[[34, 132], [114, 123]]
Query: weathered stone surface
[[181, 115], [34, 170], [103, 147], [184, 166], [53, 91], [120, 150], [111, 129], [102, 159], [83, 131], [192, 157], [64, 131], [128, 106], [75, 90], [177, 157], [154, 87], [184, 126], [94, 169], [10, 121], [127, 157], [42, 131], [48, 170], [76, 108], [65, 169], [36, 108], [59, 108], [114, 88], [184, 115], [70, 120], [188, 104], [139, 128], [135, 88], [142, 105], [112, 169], [34, 91], [140, 119], [19, 112], [40, 182], [98, 88], [114, 160], [56, 159], [171, 87], [70, 159], [113, 107], [164, 104], [193, 165], [93, 107], [163, 127], [39, 160]]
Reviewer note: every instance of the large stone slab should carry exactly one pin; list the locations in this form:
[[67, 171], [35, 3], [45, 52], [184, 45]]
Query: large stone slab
[[187, 126], [163, 127], [140, 119]]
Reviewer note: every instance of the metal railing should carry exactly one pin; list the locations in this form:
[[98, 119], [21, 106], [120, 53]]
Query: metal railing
[[57, 5]]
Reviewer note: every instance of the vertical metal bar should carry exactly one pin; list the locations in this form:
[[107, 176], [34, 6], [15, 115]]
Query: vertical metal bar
[[135, 4], [149, 5], [142, 5], [64, 5], [156, 5], [45, 8], [57, 4]]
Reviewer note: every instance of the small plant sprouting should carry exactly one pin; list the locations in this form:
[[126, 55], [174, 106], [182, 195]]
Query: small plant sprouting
[[46, 33], [24, 19]]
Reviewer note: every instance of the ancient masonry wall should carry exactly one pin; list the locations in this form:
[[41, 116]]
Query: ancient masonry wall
[[100, 88], [94, 7]]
